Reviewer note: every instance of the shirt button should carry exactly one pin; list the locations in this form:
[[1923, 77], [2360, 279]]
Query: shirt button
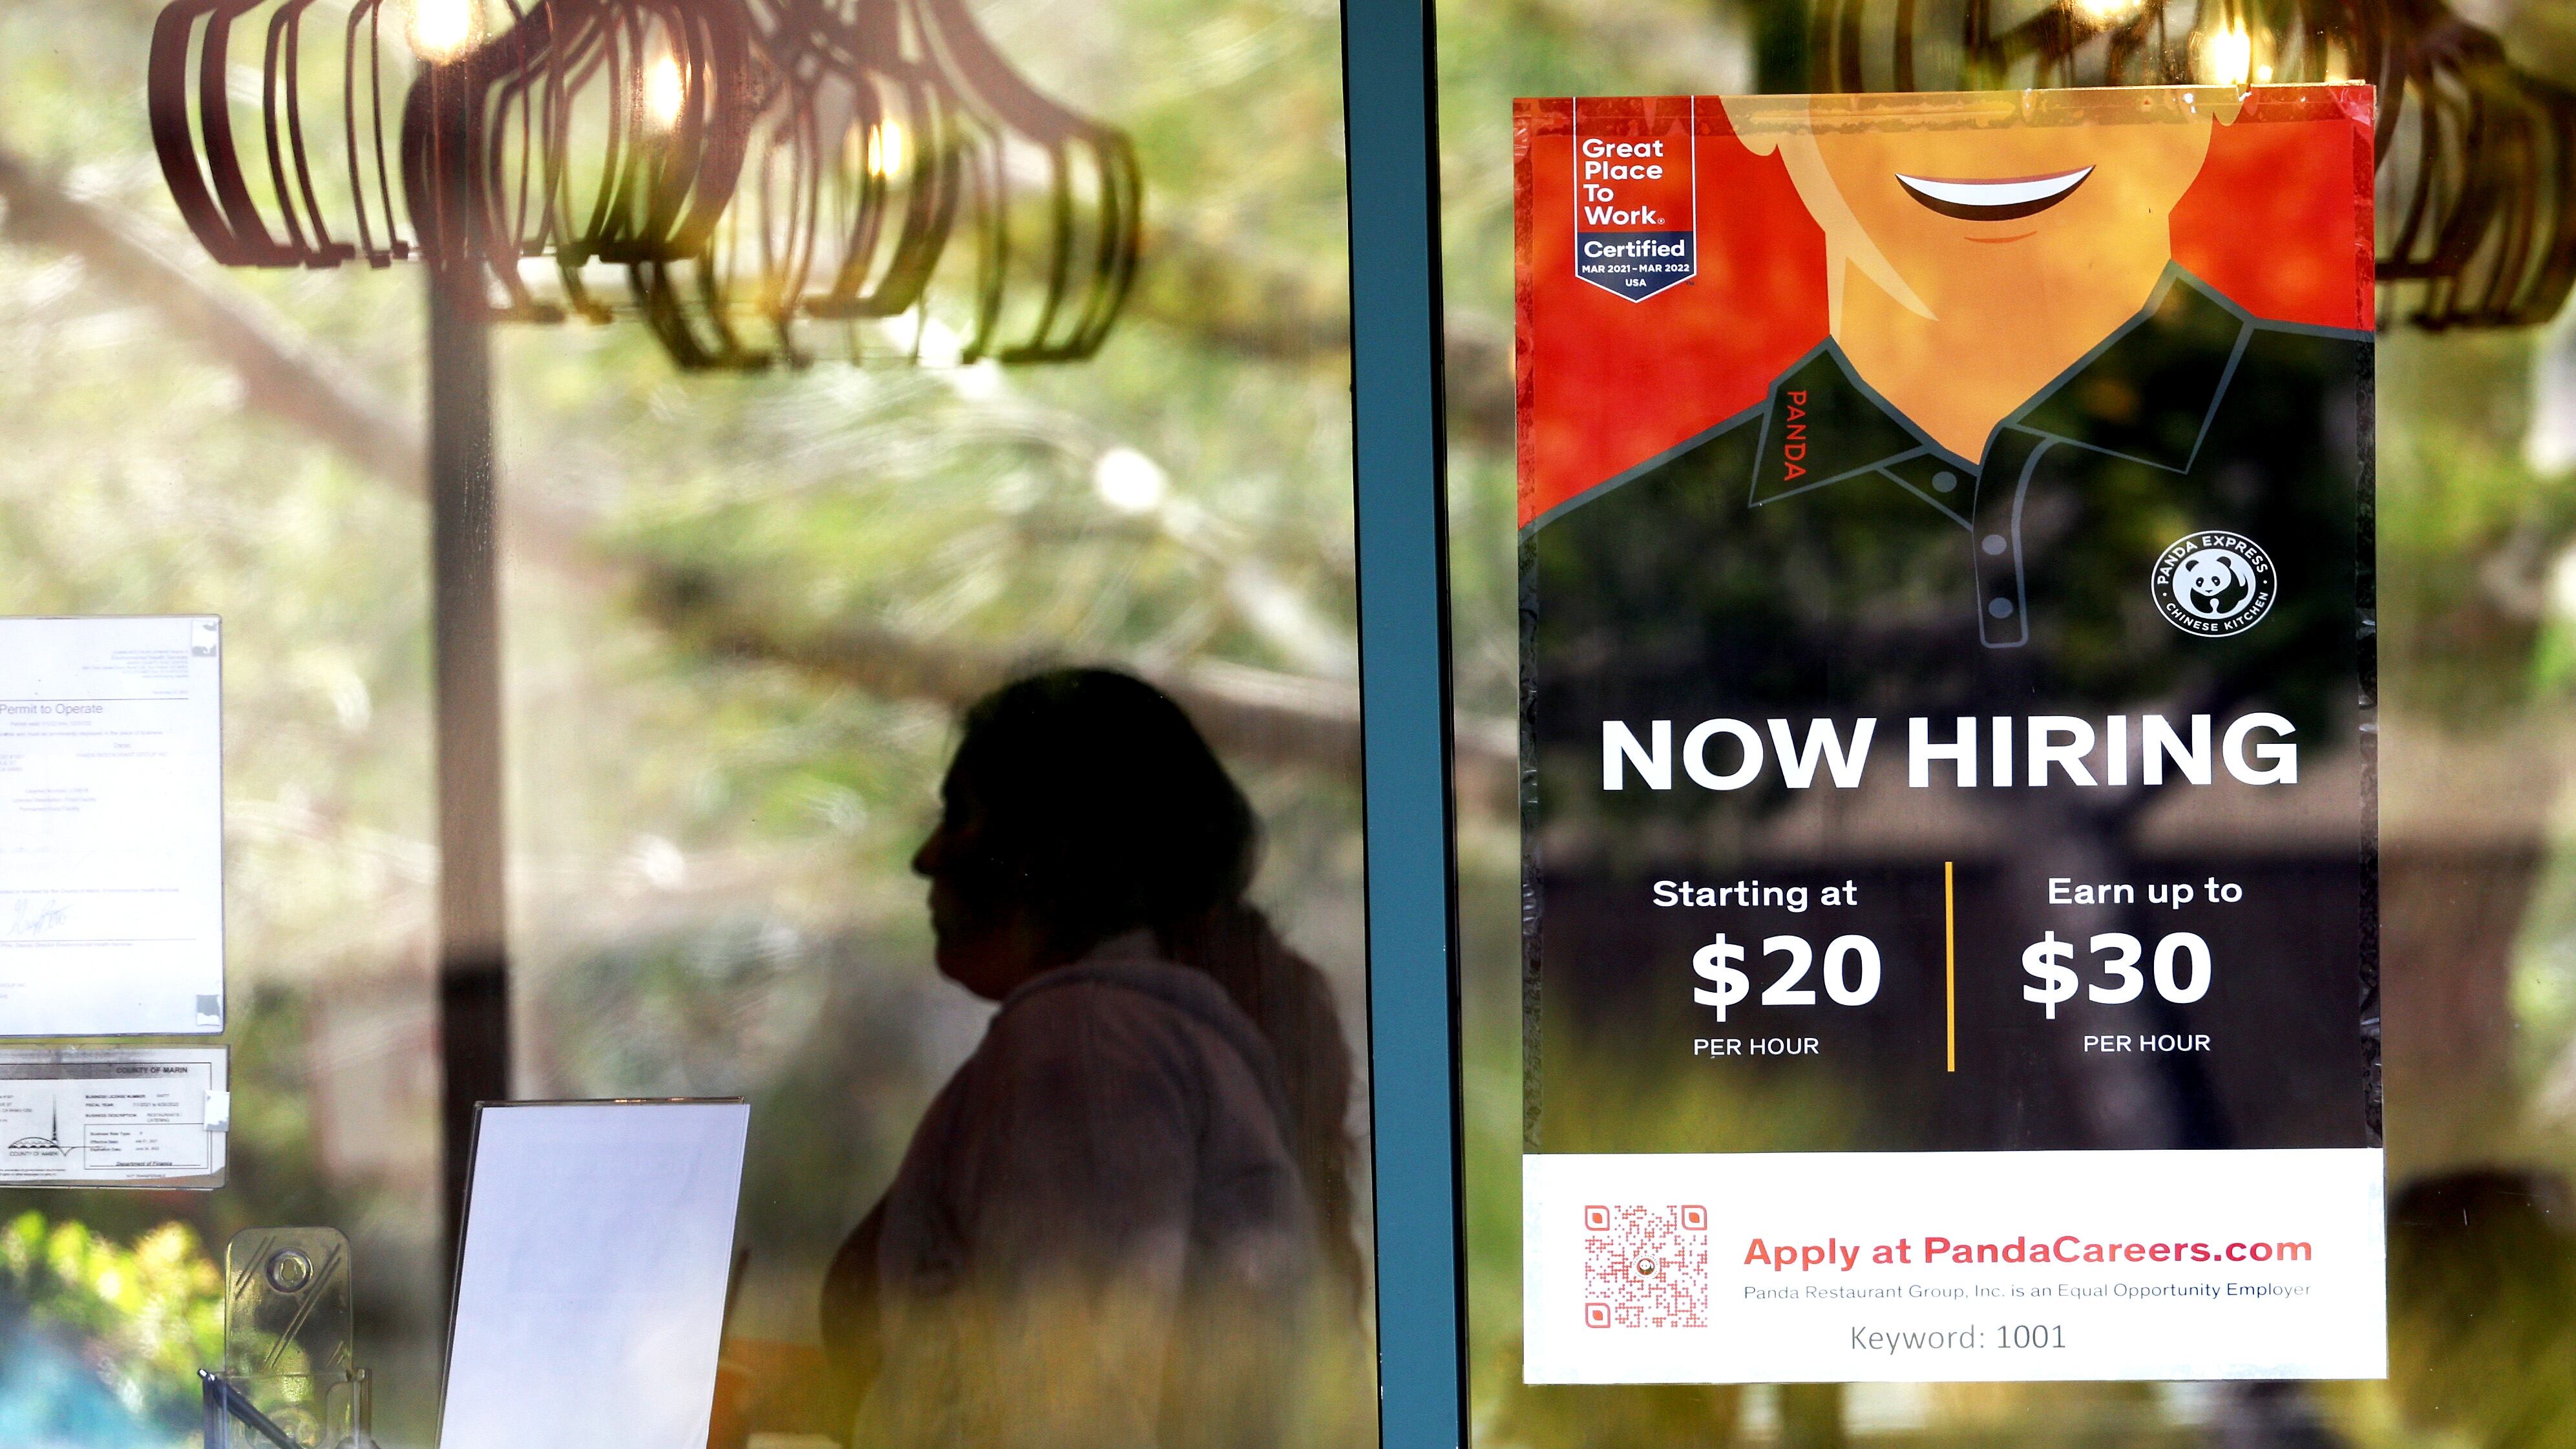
[[1945, 480], [2000, 608], [1995, 543]]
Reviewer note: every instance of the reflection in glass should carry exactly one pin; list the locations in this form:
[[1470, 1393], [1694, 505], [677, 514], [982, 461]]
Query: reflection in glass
[[2473, 527], [740, 615], [1127, 1218]]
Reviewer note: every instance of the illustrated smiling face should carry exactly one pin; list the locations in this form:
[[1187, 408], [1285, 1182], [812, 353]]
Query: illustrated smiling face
[[1939, 214], [1977, 246], [1950, 210]]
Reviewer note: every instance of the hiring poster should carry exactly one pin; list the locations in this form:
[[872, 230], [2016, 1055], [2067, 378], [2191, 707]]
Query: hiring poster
[[1948, 672]]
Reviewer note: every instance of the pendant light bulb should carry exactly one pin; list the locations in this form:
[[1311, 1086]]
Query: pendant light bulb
[[444, 30], [2230, 56], [885, 147], [666, 93]]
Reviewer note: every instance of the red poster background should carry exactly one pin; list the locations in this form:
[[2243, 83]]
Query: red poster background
[[1605, 383]]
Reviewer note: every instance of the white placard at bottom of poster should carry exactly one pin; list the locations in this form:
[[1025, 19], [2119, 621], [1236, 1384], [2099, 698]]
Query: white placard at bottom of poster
[[144, 1117], [1951, 1267]]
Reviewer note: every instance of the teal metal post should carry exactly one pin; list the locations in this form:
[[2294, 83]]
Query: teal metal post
[[1403, 534]]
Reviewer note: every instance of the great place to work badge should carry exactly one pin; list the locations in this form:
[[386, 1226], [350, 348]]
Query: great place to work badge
[[1636, 208], [1950, 893]]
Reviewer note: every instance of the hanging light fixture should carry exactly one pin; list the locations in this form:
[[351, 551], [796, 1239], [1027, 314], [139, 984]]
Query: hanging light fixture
[[590, 131], [903, 173], [855, 162], [763, 182], [2479, 224], [1894, 45], [1062, 198], [316, 188], [2477, 157], [848, 197]]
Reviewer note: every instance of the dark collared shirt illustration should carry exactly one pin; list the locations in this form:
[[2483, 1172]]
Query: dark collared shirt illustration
[[2177, 528]]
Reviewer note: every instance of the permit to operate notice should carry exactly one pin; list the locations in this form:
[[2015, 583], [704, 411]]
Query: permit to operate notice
[[111, 827], [110, 1117]]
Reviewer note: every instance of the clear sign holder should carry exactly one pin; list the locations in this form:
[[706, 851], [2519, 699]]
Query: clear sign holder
[[290, 1379]]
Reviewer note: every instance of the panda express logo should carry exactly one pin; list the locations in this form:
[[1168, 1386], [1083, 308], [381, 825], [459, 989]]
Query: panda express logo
[[2214, 583], [1793, 437]]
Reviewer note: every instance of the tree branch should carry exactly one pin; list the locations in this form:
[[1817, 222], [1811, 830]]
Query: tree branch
[[1251, 714], [279, 376], [1247, 713], [1197, 284]]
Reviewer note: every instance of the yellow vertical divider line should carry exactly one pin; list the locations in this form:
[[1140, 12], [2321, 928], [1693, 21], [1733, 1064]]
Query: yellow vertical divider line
[[1950, 952]]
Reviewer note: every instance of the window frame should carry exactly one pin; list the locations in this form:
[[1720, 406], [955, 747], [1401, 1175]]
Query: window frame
[[1400, 481]]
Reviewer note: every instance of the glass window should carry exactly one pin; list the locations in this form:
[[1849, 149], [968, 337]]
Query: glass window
[[799, 772], [2462, 937]]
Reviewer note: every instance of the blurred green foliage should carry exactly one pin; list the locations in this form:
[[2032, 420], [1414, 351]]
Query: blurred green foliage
[[143, 1315], [709, 843], [709, 840]]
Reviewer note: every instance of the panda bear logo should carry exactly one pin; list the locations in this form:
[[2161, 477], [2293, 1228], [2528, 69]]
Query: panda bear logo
[[2214, 583]]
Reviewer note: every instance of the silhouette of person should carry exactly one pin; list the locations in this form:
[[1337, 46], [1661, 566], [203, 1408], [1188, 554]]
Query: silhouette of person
[[1119, 1220]]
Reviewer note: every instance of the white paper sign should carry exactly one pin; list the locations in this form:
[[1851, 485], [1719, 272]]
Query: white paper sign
[[590, 1299], [1908, 1267], [111, 827], [93, 1118]]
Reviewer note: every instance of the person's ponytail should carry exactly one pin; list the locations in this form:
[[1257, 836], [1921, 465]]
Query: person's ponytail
[[1291, 1001]]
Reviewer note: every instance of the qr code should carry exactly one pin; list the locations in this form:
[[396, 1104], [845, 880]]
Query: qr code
[[1645, 1267]]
